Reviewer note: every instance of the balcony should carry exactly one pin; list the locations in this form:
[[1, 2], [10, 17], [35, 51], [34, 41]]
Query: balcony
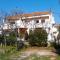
[[38, 25]]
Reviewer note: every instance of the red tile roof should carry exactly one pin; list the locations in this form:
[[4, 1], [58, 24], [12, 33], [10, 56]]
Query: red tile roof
[[16, 17]]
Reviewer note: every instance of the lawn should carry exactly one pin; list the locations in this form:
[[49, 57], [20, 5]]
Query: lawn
[[8, 52]]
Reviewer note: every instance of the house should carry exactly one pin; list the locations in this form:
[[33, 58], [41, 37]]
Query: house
[[26, 22]]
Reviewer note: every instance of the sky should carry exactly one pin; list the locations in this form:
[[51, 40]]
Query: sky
[[29, 6]]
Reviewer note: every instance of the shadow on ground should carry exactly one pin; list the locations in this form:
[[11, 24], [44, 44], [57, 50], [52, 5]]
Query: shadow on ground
[[57, 49]]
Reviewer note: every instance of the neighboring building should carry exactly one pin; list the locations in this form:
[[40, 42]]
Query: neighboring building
[[34, 20], [57, 26]]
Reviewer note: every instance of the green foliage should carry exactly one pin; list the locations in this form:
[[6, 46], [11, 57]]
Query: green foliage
[[58, 57], [26, 36], [20, 45], [38, 37], [59, 33], [11, 39], [1, 38], [8, 52]]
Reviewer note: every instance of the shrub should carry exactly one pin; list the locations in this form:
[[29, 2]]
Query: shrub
[[20, 45], [26, 36], [1, 39], [11, 39], [38, 37]]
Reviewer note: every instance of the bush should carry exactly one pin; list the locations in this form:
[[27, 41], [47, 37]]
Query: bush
[[26, 36], [38, 37], [1, 39], [20, 45], [11, 39]]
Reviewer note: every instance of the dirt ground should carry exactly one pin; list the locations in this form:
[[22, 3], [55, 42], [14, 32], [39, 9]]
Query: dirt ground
[[37, 51]]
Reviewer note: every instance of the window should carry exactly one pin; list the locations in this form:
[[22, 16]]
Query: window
[[37, 21], [26, 21], [42, 21], [54, 32], [12, 22]]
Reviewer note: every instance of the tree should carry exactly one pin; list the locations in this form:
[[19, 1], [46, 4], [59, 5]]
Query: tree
[[11, 39], [58, 37], [3, 15], [38, 37]]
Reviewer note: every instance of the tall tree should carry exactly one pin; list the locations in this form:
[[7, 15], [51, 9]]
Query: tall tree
[[58, 37]]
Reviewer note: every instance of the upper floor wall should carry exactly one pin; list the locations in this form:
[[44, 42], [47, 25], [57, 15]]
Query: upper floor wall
[[36, 19]]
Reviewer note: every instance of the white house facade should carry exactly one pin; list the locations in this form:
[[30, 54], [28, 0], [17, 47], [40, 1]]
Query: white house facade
[[34, 20]]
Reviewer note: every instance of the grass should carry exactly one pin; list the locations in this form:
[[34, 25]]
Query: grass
[[4, 57], [7, 52], [58, 57], [10, 52]]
